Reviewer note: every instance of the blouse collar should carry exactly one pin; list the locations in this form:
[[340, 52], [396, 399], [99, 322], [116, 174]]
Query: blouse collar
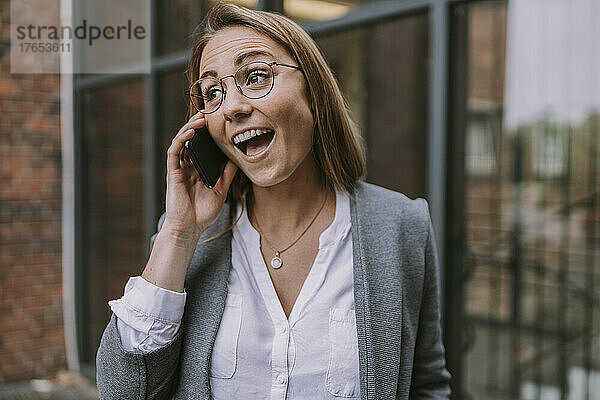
[[334, 233]]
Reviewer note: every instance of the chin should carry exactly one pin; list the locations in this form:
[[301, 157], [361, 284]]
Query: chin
[[265, 183], [267, 178]]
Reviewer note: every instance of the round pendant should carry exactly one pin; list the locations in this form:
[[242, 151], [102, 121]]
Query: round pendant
[[276, 262]]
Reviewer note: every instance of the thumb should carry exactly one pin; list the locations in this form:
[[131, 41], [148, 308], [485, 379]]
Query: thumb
[[222, 185]]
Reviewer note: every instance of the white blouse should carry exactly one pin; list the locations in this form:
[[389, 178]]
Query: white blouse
[[259, 353]]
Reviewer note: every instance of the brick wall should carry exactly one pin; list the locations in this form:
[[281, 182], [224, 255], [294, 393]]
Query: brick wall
[[31, 327]]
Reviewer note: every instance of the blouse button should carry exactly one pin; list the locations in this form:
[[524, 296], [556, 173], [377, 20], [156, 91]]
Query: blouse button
[[281, 379]]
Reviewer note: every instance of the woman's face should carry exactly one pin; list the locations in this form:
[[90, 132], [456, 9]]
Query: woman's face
[[270, 158]]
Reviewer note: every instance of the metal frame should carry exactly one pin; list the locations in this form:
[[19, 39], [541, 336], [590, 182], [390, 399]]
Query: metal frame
[[437, 129], [436, 167], [237, 84], [152, 187], [68, 217]]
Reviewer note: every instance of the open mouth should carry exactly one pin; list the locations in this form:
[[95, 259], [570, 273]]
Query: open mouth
[[256, 144]]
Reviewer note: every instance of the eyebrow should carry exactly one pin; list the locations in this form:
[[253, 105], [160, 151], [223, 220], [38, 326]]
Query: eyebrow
[[239, 60]]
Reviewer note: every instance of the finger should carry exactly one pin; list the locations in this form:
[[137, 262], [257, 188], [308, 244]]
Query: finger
[[182, 157], [222, 185], [188, 167], [193, 120], [174, 150], [199, 114], [193, 123], [197, 121], [186, 162], [190, 172]]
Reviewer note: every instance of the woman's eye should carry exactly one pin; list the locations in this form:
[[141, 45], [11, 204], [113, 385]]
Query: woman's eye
[[211, 93], [256, 77]]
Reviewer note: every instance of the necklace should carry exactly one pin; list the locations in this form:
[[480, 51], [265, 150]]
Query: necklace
[[276, 261]]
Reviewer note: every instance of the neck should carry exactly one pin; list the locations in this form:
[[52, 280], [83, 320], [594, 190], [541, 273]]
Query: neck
[[288, 206]]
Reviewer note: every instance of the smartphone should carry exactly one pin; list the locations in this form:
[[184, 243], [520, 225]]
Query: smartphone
[[207, 157]]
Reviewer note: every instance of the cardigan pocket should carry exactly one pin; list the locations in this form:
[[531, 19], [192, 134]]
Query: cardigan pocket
[[224, 354], [342, 377]]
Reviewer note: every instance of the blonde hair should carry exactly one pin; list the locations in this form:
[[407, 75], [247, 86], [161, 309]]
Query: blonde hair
[[337, 146]]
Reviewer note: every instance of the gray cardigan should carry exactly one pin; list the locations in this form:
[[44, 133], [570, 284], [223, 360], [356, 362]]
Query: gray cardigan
[[401, 355]]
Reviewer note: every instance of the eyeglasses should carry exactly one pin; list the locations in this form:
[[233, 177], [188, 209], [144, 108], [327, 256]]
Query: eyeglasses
[[254, 80]]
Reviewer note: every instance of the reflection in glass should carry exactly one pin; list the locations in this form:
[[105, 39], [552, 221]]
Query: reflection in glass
[[173, 105], [315, 10], [115, 242], [529, 114], [303, 11], [244, 3], [385, 85], [176, 20]]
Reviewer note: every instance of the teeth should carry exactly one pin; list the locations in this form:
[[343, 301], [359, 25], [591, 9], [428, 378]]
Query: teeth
[[242, 137]]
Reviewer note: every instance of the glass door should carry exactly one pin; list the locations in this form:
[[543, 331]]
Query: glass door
[[524, 185]]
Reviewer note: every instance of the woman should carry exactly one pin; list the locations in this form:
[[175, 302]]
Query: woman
[[307, 283]]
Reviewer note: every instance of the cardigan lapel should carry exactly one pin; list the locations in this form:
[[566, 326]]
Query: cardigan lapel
[[206, 284], [377, 296]]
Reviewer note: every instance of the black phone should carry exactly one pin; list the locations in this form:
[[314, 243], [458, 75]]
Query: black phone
[[207, 157]]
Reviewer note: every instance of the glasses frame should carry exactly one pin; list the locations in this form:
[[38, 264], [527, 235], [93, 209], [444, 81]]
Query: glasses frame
[[224, 91]]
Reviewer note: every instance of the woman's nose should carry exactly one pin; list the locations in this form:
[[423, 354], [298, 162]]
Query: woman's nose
[[235, 105]]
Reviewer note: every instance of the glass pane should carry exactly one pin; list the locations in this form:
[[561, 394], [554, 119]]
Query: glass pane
[[173, 106], [114, 242], [244, 3], [176, 20], [527, 82], [304, 11], [385, 83]]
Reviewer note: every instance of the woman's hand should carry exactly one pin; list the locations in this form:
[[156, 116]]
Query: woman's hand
[[191, 207]]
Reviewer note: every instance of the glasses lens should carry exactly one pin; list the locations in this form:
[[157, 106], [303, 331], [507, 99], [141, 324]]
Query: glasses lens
[[206, 95], [255, 79]]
